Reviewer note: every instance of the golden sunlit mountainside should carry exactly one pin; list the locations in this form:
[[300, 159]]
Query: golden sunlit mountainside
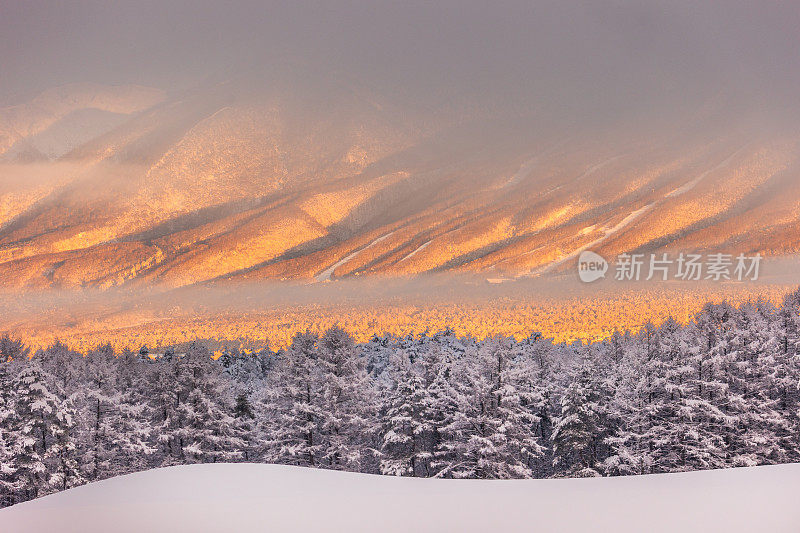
[[108, 186]]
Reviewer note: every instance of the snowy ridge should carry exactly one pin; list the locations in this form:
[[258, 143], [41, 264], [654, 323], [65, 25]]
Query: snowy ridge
[[250, 497], [416, 251], [478, 206], [632, 217], [327, 273], [524, 171], [695, 182], [624, 223]]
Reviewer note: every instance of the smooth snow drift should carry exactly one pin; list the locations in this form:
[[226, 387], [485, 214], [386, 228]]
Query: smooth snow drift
[[250, 497]]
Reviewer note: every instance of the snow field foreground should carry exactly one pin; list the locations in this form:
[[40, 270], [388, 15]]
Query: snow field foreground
[[253, 497]]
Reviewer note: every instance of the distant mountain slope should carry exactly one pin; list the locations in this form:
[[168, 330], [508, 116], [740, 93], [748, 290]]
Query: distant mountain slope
[[253, 497], [111, 186], [64, 135], [24, 121]]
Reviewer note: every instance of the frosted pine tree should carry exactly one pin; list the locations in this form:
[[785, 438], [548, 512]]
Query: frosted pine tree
[[62, 456], [377, 352], [290, 407], [211, 431], [493, 433], [37, 433], [761, 433], [404, 426], [785, 374], [522, 401], [12, 349], [96, 401], [164, 383], [198, 427], [349, 411], [429, 364], [7, 485], [580, 428], [691, 436], [132, 424], [33, 407], [442, 405], [638, 389], [114, 416], [63, 366], [539, 379], [319, 408], [244, 426], [7, 471], [246, 370]]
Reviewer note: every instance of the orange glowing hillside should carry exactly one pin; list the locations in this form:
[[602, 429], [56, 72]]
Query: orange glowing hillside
[[127, 186], [254, 316]]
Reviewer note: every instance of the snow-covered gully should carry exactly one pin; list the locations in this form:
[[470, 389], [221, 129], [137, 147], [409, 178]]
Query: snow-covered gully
[[327, 273], [631, 218]]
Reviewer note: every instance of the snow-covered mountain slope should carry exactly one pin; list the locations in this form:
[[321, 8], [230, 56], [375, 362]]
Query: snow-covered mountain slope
[[63, 136], [277, 183], [251, 497], [33, 118]]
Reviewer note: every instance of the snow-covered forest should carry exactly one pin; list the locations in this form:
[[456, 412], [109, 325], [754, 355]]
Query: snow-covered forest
[[722, 391]]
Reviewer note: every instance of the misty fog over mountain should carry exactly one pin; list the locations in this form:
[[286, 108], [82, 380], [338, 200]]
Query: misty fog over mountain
[[193, 144]]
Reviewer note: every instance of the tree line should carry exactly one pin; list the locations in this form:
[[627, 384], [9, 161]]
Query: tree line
[[721, 391]]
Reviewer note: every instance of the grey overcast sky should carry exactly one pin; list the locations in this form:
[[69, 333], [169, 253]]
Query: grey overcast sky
[[631, 49]]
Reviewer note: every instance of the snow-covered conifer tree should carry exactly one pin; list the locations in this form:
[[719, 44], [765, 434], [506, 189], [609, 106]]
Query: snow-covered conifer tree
[[403, 450], [12, 349], [197, 424], [350, 406], [41, 442], [580, 428], [289, 407], [494, 430]]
